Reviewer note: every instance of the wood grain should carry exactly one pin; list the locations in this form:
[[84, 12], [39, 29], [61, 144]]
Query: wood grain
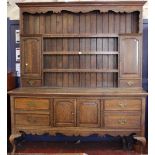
[[31, 120], [31, 104], [81, 69]]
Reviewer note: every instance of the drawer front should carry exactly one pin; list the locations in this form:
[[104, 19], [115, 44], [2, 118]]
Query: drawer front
[[31, 104], [31, 83], [130, 83], [32, 119], [122, 121], [122, 104]]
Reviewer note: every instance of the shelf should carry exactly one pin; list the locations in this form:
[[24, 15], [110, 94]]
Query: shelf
[[99, 35], [81, 70], [79, 52]]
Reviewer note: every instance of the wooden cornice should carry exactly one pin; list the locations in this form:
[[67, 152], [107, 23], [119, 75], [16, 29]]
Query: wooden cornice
[[76, 7], [86, 3]]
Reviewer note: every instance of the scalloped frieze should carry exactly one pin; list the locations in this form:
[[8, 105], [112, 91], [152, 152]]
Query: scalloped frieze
[[81, 9], [65, 132], [70, 132]]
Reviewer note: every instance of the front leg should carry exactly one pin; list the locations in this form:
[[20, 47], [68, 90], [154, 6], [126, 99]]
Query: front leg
[[12, 141], [142, 144], [142, 140]]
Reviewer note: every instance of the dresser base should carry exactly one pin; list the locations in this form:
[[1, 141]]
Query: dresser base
[[78, 112]]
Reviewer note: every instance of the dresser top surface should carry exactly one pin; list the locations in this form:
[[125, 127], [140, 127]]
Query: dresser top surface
[[78, 91]]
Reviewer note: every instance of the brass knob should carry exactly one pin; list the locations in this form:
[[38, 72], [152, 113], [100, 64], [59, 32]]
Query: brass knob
[[30, 82], [31, 104], [31, 119], [26, 64], [122, 105], [130, 83], [72, 113], [122, 122]]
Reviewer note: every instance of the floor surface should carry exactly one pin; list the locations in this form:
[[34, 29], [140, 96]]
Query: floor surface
[[90, 148]]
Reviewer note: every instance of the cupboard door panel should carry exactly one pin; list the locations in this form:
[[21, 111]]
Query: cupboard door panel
[[31, 53], [130, 56], [88, 113], [64, 112]]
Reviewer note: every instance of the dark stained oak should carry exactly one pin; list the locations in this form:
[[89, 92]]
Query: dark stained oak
[[31, 104], [77, 91], [64, 112], [31, 120], [88, 112], [31, 55], [122, 120], [123, 104], [81, 69]]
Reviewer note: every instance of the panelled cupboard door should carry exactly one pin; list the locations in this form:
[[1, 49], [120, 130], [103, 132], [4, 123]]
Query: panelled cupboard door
[[130, 56], [31, 56], [88, 113], [64, 112]]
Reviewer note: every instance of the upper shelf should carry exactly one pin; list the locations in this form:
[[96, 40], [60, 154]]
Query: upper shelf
[[81, 70], [79, 52], [81, 35]]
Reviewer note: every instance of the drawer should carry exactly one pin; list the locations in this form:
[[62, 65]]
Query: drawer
[[122, 104], [130, 83], [122, 120], [32, 119], [31, 104], [31, 82]]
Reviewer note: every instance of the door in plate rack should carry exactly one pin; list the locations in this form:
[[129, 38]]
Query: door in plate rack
[[64, 112], [88, 113], [31, 56], [130, 56]]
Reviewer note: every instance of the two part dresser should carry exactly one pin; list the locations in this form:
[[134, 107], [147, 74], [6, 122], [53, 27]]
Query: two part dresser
[[81, 69]]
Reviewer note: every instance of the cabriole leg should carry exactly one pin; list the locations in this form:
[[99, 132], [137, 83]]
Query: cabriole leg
[[12, 141]]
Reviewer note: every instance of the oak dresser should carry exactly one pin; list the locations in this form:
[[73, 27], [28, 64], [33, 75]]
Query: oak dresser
[[81, 69]]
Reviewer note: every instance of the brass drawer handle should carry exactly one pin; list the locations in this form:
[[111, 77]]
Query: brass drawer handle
[[89, 103], [30, 82], [130, 83], [72, 116], [122, 105], [31, 119], [31, 104], [122, 122]]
